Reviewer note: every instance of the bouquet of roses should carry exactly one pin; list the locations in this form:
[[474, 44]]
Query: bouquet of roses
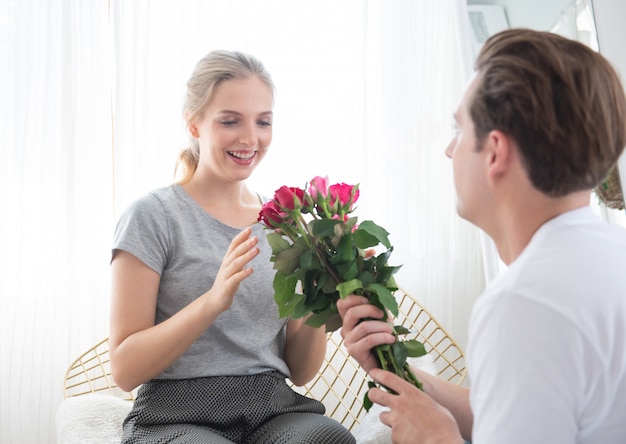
[[321, 253]]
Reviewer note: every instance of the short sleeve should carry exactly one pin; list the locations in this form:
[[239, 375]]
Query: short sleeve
[[142, 231]]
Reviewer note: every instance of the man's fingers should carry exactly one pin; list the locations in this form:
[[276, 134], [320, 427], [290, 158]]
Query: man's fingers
[[343, 305], [389, 380]]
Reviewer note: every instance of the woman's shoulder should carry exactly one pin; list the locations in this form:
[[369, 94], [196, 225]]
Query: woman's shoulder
[[159, 197], [151, 204]]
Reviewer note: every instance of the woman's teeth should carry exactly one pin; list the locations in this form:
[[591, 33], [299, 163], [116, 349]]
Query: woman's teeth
[[242, 156]]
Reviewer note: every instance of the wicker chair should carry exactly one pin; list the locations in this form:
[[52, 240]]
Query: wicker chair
[[91, 373], [340, 383]]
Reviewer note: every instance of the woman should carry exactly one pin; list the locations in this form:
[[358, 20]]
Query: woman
[[193, 319]]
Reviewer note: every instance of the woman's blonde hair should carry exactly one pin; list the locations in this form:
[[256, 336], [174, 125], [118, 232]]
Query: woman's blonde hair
[[213, 68]]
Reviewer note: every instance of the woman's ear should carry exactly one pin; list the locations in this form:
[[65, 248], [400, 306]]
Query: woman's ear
[[193, 129]]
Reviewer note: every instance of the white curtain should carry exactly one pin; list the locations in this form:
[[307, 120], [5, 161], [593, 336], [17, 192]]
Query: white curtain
[[91, 98], [56, 202]]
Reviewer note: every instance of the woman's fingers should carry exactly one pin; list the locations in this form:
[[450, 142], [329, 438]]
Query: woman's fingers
[[233, 270]]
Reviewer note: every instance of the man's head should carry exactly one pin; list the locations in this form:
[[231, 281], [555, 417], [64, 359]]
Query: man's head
[[561, 102]]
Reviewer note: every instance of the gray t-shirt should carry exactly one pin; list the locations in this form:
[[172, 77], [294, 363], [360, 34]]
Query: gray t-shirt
[[169, 232]]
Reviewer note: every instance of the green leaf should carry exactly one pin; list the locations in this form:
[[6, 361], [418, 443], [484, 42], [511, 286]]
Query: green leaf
[[373, 298], [376, 231], [345, 251], [316, 320], [348, 271], [348, 287], [367, 403], [385, 276], [333, 323], [366, 278], [288, 260], [284, 289], [382, 259], [328, 318], [400, 353], [322, 228], [277, 242], [385, 297], [401, 330], [414, 348], [363, 239], [306, 259], [288, 309], [316, 301]]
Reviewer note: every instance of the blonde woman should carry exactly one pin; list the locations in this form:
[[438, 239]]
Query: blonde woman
[[193, 319]]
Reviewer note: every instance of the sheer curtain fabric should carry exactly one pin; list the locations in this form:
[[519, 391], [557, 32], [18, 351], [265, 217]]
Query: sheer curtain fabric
[[91, 119]]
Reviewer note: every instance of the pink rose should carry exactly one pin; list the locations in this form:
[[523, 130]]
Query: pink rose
[[318, 186], [346, 195]]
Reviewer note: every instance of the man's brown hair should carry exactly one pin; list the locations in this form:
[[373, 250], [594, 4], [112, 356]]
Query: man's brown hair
[[562, 102]]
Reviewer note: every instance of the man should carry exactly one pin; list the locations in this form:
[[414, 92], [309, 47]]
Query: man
[[541, 124]]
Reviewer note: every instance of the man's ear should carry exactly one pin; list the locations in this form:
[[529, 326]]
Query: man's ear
[[499, 153]]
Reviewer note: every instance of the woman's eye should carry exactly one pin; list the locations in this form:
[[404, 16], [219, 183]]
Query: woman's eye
[[264, 123], [228, 122]]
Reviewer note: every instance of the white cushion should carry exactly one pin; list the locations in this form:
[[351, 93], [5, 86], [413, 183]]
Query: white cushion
[[91, 419]]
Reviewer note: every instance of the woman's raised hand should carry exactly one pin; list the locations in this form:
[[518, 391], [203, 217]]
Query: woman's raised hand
[[234, 268]]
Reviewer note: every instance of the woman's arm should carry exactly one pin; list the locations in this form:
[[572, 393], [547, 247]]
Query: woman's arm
[[141, 350], [305, 350]]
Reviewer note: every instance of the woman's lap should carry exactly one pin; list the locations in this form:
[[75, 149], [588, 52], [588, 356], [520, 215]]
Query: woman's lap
[[301, 428], [220, 410], [290, 428]]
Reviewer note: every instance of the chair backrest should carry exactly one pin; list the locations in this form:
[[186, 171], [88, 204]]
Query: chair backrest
[[340, 383], [91, 373]]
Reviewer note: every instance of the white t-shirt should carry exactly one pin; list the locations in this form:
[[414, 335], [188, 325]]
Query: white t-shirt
[[547, 340]]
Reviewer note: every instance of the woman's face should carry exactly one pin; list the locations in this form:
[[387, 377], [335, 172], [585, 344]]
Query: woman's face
[[235, 129]]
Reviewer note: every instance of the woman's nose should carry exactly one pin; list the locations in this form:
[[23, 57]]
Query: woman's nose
[[248, 135]]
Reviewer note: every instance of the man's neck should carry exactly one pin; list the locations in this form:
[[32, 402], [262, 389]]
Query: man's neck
[[520, 221]]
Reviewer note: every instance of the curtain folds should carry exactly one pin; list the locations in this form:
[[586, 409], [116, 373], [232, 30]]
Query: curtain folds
[[91, 119]]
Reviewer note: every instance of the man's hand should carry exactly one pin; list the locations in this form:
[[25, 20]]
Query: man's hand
[[414, 417], [360, 336]]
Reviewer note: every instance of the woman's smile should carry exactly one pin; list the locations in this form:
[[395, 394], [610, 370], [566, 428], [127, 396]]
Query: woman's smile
[[242, 157]]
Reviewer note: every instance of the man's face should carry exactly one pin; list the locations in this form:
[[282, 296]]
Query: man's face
[[468, 164]]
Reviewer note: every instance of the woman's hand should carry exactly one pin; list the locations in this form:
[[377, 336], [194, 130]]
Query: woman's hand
[[141, 350], [361, 331], [233, 270]]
